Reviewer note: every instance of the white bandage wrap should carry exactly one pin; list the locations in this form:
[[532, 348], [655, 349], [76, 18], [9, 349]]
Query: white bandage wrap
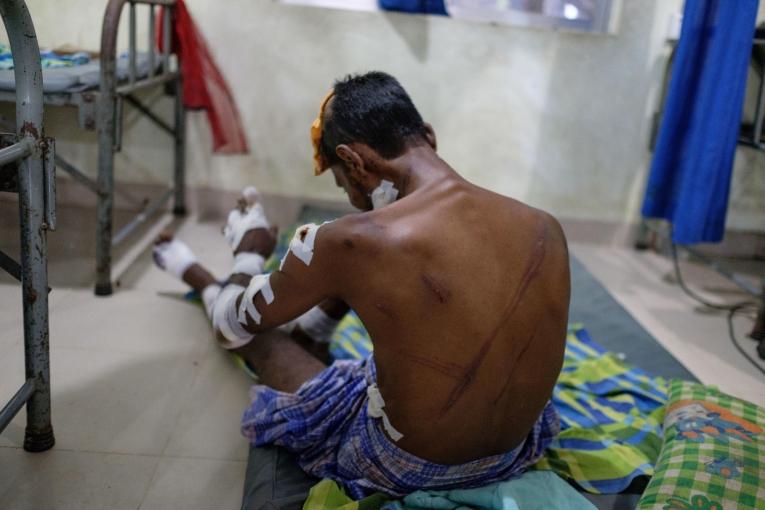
[[248, 263], [174, 257], [259, 283], [383, 194], [316, 324], [209, 297], [375, 410], [225, 317], [239, 223]]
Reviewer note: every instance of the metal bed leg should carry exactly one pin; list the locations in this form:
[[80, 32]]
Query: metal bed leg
[[35, 215], [179, 208], [106, 141], [39, 432]]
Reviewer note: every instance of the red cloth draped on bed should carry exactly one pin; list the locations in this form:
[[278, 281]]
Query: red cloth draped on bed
[[203, 84]]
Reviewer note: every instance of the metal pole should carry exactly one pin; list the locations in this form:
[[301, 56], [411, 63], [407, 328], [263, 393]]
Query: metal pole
[[131, 48], [16, 402], [759, 118], [34, 272], [141, 218], [179, 208], [107, 105], [16, 151], [152, 40], [167, 13]]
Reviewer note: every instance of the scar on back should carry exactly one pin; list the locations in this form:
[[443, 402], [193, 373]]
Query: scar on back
[[442, 293], [447, 368], [531, 270]]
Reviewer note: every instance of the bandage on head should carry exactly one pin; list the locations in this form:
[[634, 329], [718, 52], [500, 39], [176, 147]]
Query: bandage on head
[[320, 163]]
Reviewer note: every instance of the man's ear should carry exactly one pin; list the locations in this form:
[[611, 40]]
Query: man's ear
[[352, 160], [430, 136]]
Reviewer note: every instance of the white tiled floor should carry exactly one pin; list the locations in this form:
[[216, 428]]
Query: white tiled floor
[[146, 409]]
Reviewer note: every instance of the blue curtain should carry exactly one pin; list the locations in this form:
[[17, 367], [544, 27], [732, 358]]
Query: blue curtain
[[692, 166]]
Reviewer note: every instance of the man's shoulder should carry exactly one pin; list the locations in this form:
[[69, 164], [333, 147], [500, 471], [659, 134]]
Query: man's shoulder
[[353, 232]]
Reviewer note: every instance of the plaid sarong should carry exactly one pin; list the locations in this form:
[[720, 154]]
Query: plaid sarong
[[327, 425]]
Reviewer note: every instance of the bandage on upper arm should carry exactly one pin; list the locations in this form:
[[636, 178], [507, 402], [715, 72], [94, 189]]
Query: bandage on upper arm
[[231, 320]]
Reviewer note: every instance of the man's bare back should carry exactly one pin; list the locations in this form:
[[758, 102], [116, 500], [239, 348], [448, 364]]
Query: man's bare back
[[465, 296]]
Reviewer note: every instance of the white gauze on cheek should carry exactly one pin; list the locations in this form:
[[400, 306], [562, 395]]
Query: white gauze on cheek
[[384, 194]]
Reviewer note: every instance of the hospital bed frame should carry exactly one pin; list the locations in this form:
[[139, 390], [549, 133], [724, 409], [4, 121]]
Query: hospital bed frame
[[26, 159], [102, 110]]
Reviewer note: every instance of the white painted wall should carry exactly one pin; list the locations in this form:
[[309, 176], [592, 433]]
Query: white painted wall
[[560, 120]]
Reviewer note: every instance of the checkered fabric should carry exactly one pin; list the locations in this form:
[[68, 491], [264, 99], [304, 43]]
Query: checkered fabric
[[326, 423], [713, 457]]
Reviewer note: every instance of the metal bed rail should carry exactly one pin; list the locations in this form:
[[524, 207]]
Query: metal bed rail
[[109, 123], [35, 184]]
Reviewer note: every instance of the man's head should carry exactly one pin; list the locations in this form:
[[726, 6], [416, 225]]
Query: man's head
[[368, 121]]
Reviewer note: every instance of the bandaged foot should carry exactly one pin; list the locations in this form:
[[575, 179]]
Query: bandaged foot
[[172, 255], [248, 215]]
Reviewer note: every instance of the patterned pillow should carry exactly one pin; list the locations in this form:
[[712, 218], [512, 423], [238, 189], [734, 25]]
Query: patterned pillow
[[713, 457]]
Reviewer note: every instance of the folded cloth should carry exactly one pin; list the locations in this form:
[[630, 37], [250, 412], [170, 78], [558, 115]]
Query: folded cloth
[[535, 490], [328, 425]]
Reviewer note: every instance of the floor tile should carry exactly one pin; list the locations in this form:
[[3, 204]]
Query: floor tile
[[64, 480], [131, 321], [108, 402], [193, 484], [208, 425]]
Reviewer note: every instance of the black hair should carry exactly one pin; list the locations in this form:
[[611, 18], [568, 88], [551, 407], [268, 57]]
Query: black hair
[[373, 109]]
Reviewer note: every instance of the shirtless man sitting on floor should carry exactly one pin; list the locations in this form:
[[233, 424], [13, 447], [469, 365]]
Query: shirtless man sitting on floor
[[464, 293]]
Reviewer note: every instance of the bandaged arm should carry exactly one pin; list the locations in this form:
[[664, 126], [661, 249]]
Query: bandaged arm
[[307, 275]]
